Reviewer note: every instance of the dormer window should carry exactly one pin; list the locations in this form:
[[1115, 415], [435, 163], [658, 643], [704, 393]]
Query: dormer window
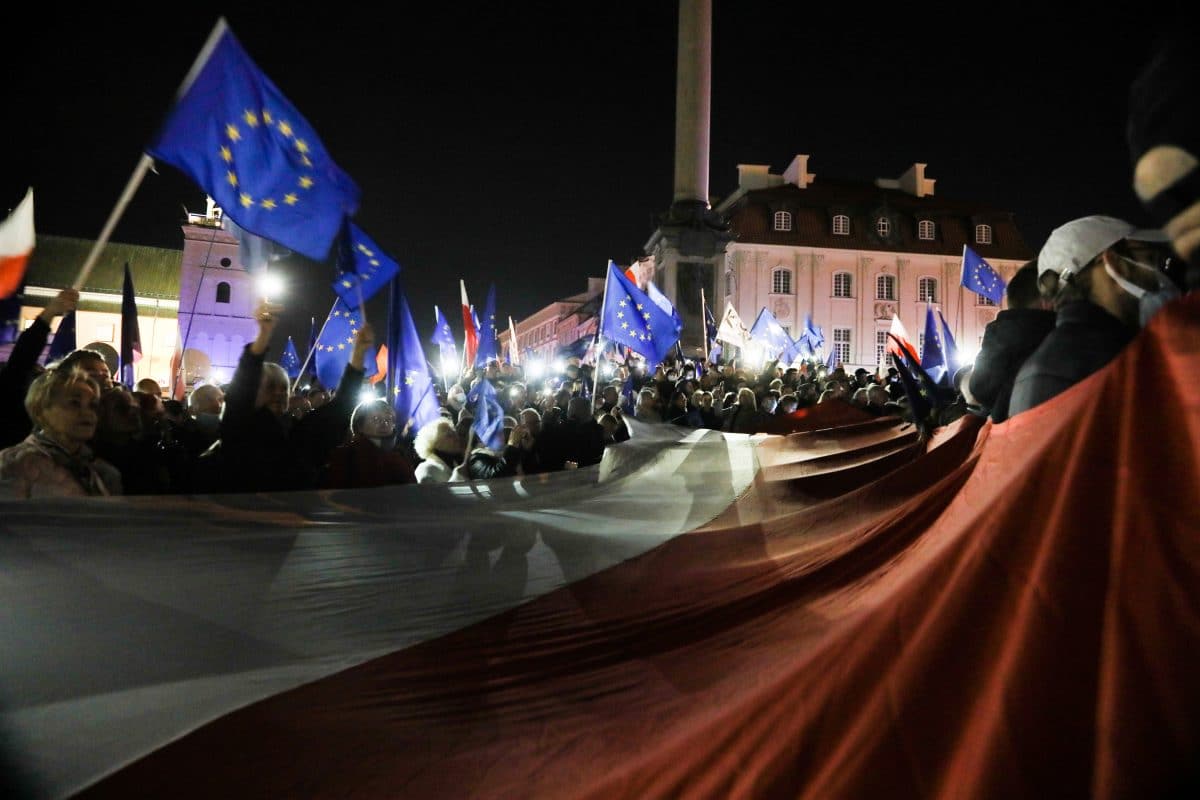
[[925, 230], [883, 228], [983, 234], [841, 225], [783, 221]]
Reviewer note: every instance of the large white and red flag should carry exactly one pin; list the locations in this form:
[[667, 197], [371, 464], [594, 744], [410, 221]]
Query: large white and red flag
[[471, 337], [902, 344]]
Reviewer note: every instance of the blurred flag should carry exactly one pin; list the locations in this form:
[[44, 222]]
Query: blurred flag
[[514, 353], [767, 332], [901, 342], [470, 328], [487, 331], [363, 267], [255, 252], [950, 349], [16, 244], [732, 330], [710, 325], [178, 388], [918, 403], [335, 343], [629, 317], [831, 363], [235, 134], [413, 393], [64, 339], [662, 302], [131, 338], [933, 360], [980, 278], [290, 360], [443, 337], [381, 365], [812, 334], [488, 423]]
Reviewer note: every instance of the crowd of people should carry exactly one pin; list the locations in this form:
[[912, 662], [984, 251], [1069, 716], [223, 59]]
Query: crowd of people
[[67, 429]]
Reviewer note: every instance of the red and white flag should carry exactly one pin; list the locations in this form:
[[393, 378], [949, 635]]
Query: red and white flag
[[178, 388], [471, 340], [16, 245], [901, 340]]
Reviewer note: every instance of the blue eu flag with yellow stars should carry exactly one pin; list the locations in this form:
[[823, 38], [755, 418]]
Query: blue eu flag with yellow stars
[[235, 134], [631, 319], [290, 360], [488, 348], [363, 267], [336, 342], [980, 278], [443, 337], [413, 393], [767, 331], [488, 422]]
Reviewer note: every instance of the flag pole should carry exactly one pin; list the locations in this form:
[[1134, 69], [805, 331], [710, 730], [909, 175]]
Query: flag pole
[[704, 322], [596, 377], [307, 358], [145, 162]]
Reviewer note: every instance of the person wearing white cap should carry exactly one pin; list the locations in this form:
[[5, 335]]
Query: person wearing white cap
[[1106, 279]]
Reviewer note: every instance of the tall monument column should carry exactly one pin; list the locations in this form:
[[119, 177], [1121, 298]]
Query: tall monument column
[[689, 245]]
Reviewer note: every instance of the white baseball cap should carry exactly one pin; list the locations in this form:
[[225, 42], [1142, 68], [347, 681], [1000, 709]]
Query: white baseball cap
[[1073, 246]]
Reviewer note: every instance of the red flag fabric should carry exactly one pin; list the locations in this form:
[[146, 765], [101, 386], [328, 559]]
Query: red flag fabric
[[381, 365], [16, 244], [1001, 611], [904, 346], [471, 338]]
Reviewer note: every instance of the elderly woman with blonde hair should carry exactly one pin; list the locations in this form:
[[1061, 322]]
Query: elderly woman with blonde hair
[[55, 460], [440, 449]]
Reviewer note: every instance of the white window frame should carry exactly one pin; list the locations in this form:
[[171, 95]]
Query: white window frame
[[885, 280], [883, 227], [980, 300], [983, 234], [786, 275], [925, 230], [881, 343], [783, 221], [927, 289], [841, 344], [849, 282], [841, 225]]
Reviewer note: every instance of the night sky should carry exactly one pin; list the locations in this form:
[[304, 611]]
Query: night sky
[[528, 143]]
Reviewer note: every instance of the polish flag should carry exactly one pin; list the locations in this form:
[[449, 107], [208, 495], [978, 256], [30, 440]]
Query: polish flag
[[381, 365], [16, 244], [897, 330], [471, 341]]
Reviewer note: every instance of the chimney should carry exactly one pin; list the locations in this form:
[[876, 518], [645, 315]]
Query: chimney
[[753, 176], [915, 183], [797, 173]]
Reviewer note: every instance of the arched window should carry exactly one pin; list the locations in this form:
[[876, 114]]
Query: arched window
[[222, 292], [885, 287], [841, 284], [841, 225], [883, 227], [983, 234], [925, 230], [927, 290], [783, 221], [781, 281]]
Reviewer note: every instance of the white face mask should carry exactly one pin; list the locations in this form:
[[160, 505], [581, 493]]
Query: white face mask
[[1150, 301]]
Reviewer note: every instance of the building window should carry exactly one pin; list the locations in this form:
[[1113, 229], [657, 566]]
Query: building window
[[841, 284], [783, 221], [883, 227], [881, 343], [729, 284], [925, 230], [841, 344], [781, 281], [222, 292], [983, 234], [921, 343], [841, 225], [980, 300], [885, 287], [927, 290]]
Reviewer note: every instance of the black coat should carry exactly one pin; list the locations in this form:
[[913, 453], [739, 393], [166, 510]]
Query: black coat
[[1007, 342], [15, 378]]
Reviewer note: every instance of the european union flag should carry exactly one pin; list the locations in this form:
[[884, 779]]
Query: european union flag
[[64, 339], [932, 359], [767, 331], [364, 268], [443, 337], [488, 423], [487, 331], [710, 325], [335, 343], [812, 334], [980, 278], [413, 393], [662, 302], [953, 361], [631, 319], [290, 360], [831, 362], [236, 135]]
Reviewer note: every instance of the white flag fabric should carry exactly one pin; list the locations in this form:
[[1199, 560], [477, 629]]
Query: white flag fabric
[[732, 330]]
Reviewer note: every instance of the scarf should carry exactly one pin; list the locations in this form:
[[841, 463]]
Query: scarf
[[80, 464]]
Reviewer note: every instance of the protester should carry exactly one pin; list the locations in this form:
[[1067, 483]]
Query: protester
[[370, 458], [440, 449], [22, 367]]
